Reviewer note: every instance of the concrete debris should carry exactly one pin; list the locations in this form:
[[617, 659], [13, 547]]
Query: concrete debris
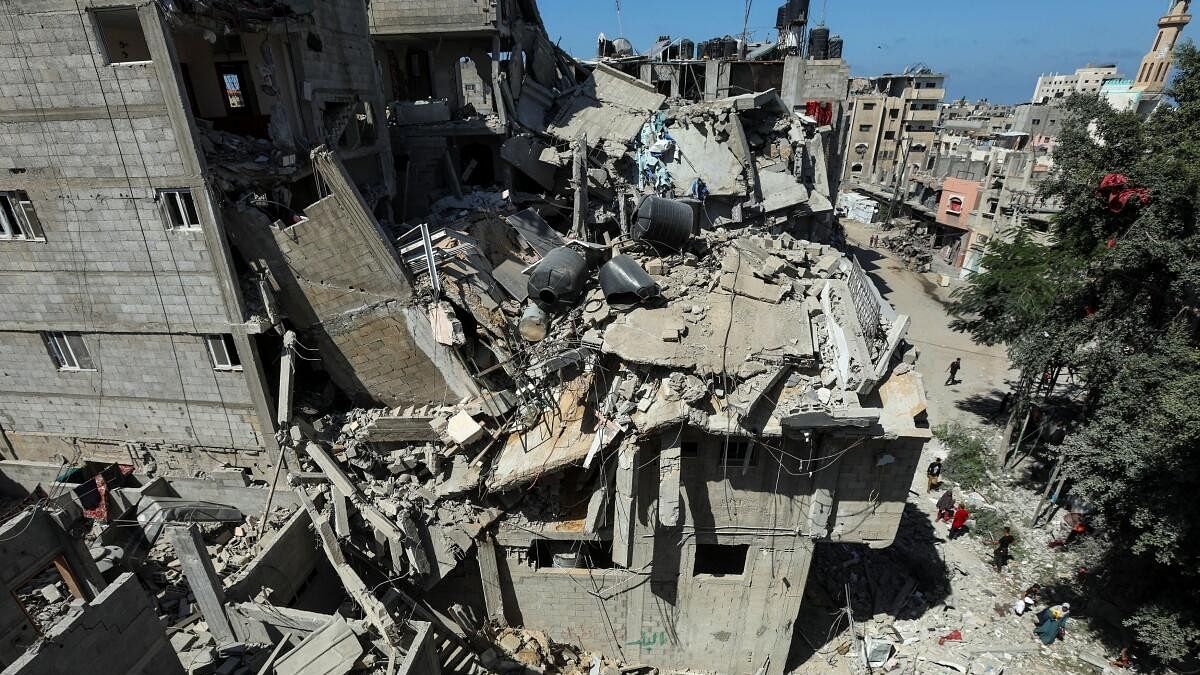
[[535, 345]]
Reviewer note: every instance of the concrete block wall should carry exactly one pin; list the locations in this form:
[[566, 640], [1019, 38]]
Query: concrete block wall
[[117, 632], [342, 286], [92, 143], [150, 388], [870, 497], [397, 17]]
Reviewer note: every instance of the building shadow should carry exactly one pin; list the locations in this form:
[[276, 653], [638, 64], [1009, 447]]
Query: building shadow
[[984, 405], [905, 580]]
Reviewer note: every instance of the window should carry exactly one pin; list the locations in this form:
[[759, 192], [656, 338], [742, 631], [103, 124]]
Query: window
[[121, 35], [1036, 121], [222, 352], [18, 219], [235, 86], [179, 209], [857, 167], [68, 351], [889, 135], [956, 204], [864, 127], [689, 449], [868, 106], [736, 454], [720, 559], [893, 113]]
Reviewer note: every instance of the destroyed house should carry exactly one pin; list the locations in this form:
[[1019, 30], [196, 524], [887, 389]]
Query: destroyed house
[[370, 369]]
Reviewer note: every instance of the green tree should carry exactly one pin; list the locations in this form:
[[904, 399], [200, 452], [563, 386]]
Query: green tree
[[1116, 296]]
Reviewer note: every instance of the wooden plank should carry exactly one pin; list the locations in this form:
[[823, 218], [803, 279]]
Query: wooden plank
[[489, 574]]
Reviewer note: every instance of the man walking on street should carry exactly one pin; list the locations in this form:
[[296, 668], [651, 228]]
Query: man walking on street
[[953, 369], [1000, 555], [933, 475]]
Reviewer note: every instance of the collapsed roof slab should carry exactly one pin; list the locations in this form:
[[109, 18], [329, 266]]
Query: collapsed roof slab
[[735, 329], [608, 106]]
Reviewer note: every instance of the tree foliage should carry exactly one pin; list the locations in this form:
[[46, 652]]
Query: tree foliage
[[1116, 296]]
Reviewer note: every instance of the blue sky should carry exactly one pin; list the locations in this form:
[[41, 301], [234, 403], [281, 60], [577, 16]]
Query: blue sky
[[987, 48]]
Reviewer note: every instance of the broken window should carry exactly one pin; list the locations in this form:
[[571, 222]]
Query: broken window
[[560, 554], [720, 559], [222, 352], [18, 219], [857, 167], [68, 351], [121, 35], [889, 135], [738, 454], [179, 209]]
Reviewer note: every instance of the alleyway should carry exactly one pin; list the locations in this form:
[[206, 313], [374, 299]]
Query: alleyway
[[984, 369]]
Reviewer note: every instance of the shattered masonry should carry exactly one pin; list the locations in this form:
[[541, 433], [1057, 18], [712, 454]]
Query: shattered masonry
[[481, 360]]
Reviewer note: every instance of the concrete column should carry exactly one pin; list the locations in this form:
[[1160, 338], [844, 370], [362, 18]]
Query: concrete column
[[203, 580]]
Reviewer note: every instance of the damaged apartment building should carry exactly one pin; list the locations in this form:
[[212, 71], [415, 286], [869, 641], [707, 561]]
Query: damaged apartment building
[[393, 339]]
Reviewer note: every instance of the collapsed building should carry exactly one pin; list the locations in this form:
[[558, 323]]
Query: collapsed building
[[532, 367]]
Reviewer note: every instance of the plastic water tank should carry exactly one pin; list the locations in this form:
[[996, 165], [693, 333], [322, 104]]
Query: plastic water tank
[[818, 43], [835, 47], [557, 281], [622, 47], [666, 223]]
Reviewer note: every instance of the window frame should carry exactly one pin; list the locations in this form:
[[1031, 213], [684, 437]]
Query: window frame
[[102, 37], [23, 224], [232, 361], [171, 202], [70, 355], [747, 457]]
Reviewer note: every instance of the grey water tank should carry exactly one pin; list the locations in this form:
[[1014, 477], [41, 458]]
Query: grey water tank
[[666, 223], [835, 47], [625, 283], [557, 281], [687, 50], [818, 43]]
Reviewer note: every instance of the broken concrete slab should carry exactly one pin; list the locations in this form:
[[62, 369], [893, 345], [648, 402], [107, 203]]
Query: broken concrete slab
[[608, 106], [332, 649]]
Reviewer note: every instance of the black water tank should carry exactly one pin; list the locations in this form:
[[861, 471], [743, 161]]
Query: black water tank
[[792, 11], [835, 47], [687, 49], [818, 43], [666, 223], [729, 47], [557, 281]]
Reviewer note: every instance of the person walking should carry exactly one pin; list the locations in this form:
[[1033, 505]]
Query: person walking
[[945, 506], [959, 522], [933, 475], [1000, 555], [955, 365]]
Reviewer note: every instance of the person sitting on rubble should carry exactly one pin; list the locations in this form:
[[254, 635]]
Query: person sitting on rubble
[[1125, 660], [1022, 605], [945, 506], [1052, 623], [959, 524]]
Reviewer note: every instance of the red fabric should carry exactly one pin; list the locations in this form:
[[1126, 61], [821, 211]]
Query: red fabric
[[960, 518], [101, 511], [953, 635], [822, 112], [1114, 189]]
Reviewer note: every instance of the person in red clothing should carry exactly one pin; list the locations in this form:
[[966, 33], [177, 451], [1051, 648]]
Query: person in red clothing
[[961, 514]]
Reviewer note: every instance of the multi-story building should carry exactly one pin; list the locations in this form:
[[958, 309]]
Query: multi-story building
[[892, 124], [159, 196], [981, 118], [1086, 80]]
